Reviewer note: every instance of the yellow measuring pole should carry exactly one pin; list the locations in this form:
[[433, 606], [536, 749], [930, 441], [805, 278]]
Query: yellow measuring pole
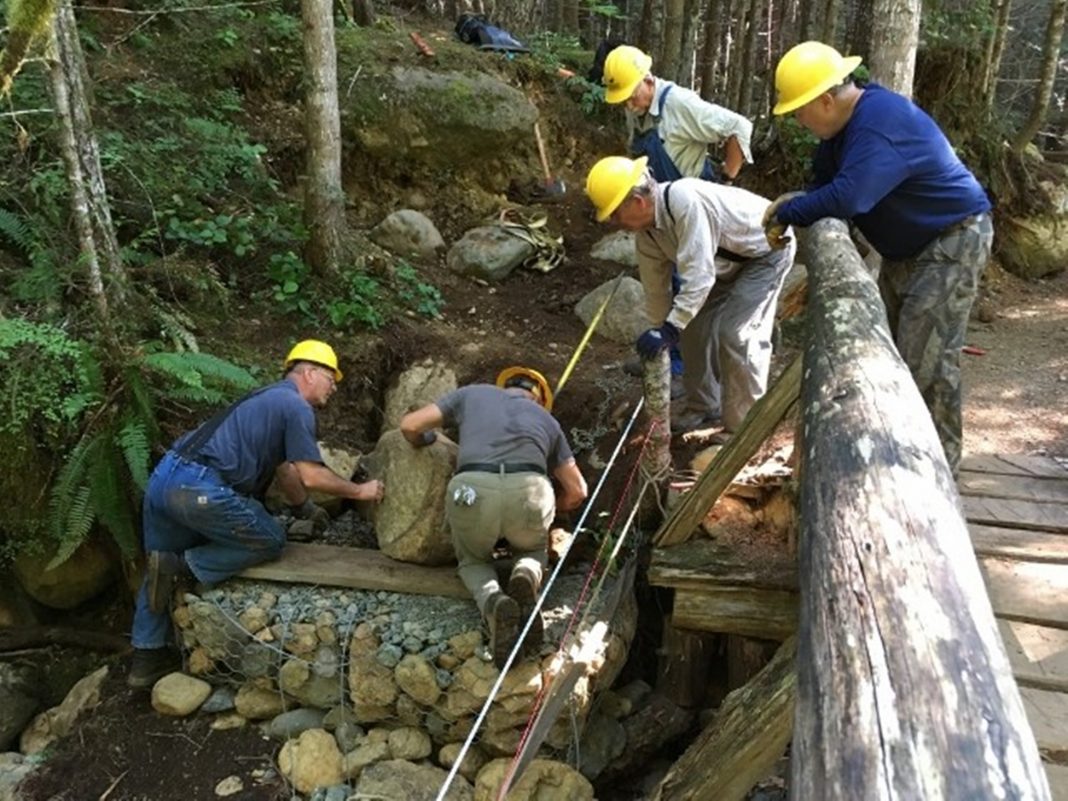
[[586, 337]]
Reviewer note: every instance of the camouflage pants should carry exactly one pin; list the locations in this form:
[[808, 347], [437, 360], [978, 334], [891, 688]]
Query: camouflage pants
[[928, 299]]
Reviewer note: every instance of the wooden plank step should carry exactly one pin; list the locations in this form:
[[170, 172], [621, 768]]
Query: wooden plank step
[[1038, 655], [1017, 543], [701, 563], [752, 612], [1031, 592], [1016, 514], [1015, 465], [1020, 488], [1048, 715], [358, 568]]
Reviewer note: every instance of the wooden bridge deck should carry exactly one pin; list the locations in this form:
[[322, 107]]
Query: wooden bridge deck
[[1017, 513]]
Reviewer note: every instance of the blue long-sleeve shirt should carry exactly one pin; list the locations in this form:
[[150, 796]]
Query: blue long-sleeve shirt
[[891, 171]]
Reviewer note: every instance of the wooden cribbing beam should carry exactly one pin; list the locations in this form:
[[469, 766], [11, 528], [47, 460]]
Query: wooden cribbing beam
[[904, 689], [743, 742], [732, 457]]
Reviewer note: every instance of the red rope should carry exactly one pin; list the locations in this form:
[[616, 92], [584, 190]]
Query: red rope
[[540, 697]]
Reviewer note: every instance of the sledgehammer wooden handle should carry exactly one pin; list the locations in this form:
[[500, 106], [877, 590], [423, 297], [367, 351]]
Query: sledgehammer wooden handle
[[541, 154]]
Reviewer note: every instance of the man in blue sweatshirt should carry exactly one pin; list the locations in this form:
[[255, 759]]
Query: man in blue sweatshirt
[[885, 165]]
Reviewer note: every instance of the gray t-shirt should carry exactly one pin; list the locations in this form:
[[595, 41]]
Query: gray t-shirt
[[499, 425]]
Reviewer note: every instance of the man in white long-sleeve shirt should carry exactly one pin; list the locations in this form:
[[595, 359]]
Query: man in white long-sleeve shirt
[[723, 314], [672, 125]]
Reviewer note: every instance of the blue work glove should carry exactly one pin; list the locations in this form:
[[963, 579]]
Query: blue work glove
[[653, 341]]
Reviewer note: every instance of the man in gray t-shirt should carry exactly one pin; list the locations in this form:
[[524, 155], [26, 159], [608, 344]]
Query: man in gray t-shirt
[[510, 445]]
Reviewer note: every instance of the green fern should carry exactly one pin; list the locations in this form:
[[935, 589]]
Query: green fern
[[136, 450], [71, 516], [110, 501], [191, 369], [13, 227]]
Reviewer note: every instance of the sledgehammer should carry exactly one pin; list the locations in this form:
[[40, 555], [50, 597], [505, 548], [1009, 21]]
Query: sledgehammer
[[554, 187]]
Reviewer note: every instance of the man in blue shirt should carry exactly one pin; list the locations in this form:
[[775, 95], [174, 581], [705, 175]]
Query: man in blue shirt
[[203, 513], [885, 165]]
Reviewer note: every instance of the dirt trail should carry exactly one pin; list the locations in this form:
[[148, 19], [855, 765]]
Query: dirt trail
[[1016, 394]]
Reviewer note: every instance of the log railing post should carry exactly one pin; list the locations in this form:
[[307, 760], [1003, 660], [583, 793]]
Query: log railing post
[[904, 688]]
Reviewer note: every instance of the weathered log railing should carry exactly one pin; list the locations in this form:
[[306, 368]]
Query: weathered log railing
[[904, 690]]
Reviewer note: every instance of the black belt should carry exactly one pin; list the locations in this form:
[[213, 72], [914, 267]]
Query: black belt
[[501, 467]]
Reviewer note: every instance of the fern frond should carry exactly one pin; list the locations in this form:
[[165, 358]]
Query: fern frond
[[178, 327], [142, 407], [203, 365], [111, 504], [136, 450], [78, 521], [204, 396], [13, 227]]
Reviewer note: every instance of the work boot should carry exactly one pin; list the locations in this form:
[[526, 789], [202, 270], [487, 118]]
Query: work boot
[[523, 587], [687, 420], [502, 614], [149, 665], [165, 568]]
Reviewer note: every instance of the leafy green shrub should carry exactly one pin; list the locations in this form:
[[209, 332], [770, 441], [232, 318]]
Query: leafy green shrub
[[358, 304], [416, 294], [96, 412]]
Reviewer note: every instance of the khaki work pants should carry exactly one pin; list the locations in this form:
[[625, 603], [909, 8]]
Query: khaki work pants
[[518, 507]]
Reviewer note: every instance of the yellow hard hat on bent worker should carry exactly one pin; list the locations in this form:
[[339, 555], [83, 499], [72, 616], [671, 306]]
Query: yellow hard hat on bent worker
[[316, 352], [610, 181], [807, 71], [529, 379], [624, 68]]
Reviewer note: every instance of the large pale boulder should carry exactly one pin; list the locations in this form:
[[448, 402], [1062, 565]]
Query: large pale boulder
[[89, 570], [397, 778], [618, 247], [543, 778], [488, 253], [57, 722], [1034, 247], [624, 318], [409, 233], [410, 520], [312, 760], [417, 386]]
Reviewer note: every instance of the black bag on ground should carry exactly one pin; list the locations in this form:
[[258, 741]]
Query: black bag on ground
[[475, 29]]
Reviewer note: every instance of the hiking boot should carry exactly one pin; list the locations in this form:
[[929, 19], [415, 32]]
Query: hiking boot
[[523, 587], [502, 614], [164, 569], [689, 420], [149, 665]]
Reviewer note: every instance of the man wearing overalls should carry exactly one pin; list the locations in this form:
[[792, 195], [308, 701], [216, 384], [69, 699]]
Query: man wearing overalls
[[672, 127]]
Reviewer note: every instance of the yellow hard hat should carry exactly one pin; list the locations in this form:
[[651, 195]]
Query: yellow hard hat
[[624, 68], [807, 71], [312, 350], [610, 180], [535, 383]]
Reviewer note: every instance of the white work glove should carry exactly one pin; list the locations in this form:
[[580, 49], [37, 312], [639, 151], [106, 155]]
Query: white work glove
[[774, 230]]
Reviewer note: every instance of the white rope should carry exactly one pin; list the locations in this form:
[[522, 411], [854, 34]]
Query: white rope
[[537, 609]]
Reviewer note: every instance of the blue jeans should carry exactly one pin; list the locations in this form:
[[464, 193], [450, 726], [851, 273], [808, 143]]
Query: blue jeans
[[190, 510]]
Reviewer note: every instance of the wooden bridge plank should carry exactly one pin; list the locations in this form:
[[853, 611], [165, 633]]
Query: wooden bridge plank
[[1014, 465], [1058, 781], [1016, 514], [1038, 655], [359, 568], [1021, 488], [1048, 715], [1016, 543], [1032, 592]]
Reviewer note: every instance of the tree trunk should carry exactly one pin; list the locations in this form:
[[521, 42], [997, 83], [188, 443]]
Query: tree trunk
[[903, 685], [691, 26], [895, 34], [994, 51], [363, 12], [571, 15], [739, 19], [745, 90], [324, 199], [99, 207], [1050, 58], [669, 66], [709, 62], [829, 21], [859, 22]]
